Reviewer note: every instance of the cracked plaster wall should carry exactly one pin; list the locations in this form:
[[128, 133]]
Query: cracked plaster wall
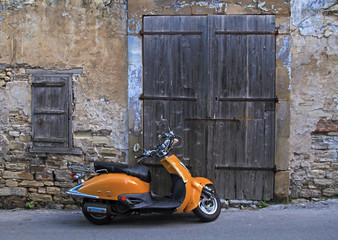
[[313, 155], [61, 35]]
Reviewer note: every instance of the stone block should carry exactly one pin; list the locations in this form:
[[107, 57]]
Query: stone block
[[14, 133], [15, 166], [109, 159], [100, 140], [320, 145], [335, 166], [283, 24], [25, 138], [329, 192], [83, 135], [282, 184], [44, 176], [31, 184], [329, 154], [21, 192], [63, 175], [16, 146], [36, 197], [283, 82], [324, 182], [64, 184], [74, 159], [17, 175], [42, 190], [48, 183], [310, 193], [10, 183], [56, 206], [53, 190], [320, 165], [33, 190], [318, 173], [110, 151], [283, 119], [282, 153]]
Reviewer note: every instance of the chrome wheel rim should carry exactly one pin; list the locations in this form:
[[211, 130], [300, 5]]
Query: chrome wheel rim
[[208, 205]]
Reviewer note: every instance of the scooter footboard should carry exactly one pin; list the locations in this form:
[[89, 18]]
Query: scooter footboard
[[196, 187]]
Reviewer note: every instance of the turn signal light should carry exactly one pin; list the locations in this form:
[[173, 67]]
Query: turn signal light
[[123, 198]]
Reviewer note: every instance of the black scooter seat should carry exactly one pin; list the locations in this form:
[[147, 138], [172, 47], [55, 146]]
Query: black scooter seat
[[139, 171]]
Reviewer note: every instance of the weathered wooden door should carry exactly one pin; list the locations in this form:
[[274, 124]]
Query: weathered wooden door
[[213, 78]]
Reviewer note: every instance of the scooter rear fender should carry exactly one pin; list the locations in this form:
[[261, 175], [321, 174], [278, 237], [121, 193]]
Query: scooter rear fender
[[109, 186]]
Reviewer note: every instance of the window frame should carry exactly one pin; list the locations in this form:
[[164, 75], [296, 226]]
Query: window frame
[[68, 75]]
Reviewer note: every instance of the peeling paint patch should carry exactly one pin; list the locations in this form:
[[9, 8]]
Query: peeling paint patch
[[217, 5], [135, 81], [261, 5], [309, 17], [134, 26], [284, 54], [18, 3]]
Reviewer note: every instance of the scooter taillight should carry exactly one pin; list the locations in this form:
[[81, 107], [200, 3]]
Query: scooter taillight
[[78, 177]]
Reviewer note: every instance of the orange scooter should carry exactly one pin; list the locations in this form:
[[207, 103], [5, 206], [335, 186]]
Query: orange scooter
[[121, 189]]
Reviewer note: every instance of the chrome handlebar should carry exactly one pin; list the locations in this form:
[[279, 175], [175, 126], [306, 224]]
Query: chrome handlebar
[[161, 150]]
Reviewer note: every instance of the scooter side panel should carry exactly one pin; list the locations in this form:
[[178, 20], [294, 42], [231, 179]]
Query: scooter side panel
[[197, 185], [110, 186]]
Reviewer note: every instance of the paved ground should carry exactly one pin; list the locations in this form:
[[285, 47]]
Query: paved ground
[[302, 221]]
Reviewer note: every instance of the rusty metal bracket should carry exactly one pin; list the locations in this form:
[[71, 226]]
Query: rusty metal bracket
[[275, 99], [164, 98], [213, 119], [220, 167], [142, 33], [248, 32]]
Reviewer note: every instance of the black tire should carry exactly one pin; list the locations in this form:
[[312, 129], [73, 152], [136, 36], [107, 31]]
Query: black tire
[[209, 206], [96, 218]]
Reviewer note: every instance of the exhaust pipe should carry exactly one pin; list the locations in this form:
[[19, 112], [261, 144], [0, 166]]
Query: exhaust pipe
[[97, 210]]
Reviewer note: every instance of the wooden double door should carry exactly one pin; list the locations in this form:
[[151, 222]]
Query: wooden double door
[[213, 78]]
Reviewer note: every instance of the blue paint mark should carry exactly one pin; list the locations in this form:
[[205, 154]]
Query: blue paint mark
[[284, 54], [135, 80], [136, 23]]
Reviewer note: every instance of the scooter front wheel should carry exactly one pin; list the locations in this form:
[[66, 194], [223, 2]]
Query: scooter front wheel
[[209, 206]]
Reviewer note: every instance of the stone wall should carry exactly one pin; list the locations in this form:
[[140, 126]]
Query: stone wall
[[59, 36], [313, 155], [98, 37]]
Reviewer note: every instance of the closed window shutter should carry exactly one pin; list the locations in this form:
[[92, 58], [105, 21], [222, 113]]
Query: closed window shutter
[[51, 112]]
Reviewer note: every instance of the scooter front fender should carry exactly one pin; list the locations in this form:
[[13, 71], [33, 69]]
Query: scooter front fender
[[194, 189]]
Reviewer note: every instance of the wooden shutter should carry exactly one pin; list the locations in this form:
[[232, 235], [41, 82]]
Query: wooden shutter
[[51, 122]]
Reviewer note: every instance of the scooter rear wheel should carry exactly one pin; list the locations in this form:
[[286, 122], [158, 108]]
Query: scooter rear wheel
[[209, 207], [96, 218]]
